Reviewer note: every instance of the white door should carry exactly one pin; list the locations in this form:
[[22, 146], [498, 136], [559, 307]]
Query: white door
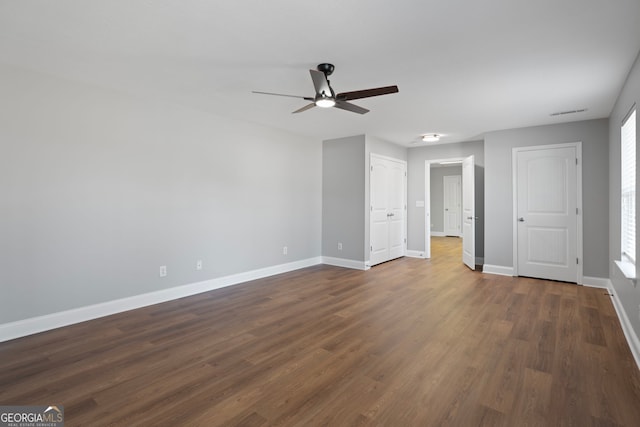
[[547, 213], [388, 208], [452, 205], [468, 213]]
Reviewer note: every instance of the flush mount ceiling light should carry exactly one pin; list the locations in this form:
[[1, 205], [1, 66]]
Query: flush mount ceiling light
[[431, 137], [451, 162]]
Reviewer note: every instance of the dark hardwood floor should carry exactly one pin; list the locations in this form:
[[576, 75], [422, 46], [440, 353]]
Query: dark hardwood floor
[[409, 343]]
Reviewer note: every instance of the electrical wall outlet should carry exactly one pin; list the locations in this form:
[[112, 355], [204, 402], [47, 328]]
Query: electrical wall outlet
[[284, 250], [163, 271], [339, 246], [199, 264]]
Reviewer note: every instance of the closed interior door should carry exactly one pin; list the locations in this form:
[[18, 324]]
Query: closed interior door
[[452, 205], [388, 207], [546, 213]]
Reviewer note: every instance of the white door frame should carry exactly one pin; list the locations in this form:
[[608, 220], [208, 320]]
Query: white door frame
[[427, 200], [373, 156], [514, 180]]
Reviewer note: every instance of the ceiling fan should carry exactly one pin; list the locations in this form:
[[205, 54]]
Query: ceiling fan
[[326, 97]]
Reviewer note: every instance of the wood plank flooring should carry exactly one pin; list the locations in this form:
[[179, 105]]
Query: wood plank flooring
[[409, 343]]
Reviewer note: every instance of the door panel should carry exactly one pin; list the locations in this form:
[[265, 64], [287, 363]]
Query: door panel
[[379, 198], [546, 213], [396, 208], [452, 202], [468, 213], [388, 209]]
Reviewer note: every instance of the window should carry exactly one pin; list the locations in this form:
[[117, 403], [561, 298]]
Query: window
[[628, 151]]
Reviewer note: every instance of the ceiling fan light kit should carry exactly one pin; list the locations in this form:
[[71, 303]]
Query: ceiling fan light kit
[[325, 96], [325, 102]]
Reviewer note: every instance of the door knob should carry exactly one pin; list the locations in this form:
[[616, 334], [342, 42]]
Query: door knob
[[521, 219]]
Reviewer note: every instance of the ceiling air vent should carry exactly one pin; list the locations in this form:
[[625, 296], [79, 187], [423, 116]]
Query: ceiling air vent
[[562, 113]]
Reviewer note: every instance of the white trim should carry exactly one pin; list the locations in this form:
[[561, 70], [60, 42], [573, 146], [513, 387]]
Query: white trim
[[596, 282], [498, 269], [34, 325], [415, 254], [579, 227], [627, 329], [346, 263], [439, 234], [628, 270], [427, 201], [405, 213]]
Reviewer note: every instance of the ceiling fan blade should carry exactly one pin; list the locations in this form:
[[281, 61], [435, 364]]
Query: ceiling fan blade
[[350, 107], [366, 93], [281, 94], [305, 108], [320, 82]]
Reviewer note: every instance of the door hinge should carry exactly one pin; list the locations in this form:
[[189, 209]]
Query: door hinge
[[405, 174], [577, 212], [577, 262], [405, 240], [371, 209], [371, 248], [576, 160], [371, 168]]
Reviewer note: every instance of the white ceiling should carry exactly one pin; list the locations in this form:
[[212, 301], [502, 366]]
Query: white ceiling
[[463, 67]]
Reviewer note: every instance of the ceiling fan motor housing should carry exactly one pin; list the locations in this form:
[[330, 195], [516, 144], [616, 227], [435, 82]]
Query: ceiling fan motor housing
[[327, 69]]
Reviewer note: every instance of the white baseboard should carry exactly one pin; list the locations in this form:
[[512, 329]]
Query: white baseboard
[[497, 269], [346, 263], [415, 254], [629, 333], [34, 325], [438, 234], [596, 282]]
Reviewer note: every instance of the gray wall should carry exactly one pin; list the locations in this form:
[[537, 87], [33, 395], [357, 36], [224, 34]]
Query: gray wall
[[499, 196], [343, 197], [628, 294], [416, 159], [345, 193], [100, 189], [437, 195]]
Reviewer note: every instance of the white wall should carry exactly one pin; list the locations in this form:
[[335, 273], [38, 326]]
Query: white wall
[[99, 189]]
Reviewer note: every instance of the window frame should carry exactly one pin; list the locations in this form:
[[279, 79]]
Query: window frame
[[628, 170]]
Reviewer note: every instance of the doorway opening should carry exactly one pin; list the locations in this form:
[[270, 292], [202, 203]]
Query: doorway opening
[[472, 182]]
